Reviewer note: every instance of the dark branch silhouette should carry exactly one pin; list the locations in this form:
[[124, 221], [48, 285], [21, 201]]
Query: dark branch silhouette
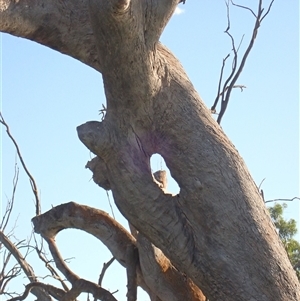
[[236, 70], [283, 200], [31, 179]]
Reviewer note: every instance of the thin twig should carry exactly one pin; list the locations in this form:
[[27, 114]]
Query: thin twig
[[53, 291], [245, 7], [268, 10], [283, 200], [31, 179], [105, 267], [261, 183], [213, 108], [112, 210], [10, 202], [52, 270], [237, 70]]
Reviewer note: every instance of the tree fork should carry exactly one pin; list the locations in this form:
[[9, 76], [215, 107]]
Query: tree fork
[[189, 228], [217, 230]]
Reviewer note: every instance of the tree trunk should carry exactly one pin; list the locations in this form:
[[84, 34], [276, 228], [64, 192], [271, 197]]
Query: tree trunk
[[217, 230]]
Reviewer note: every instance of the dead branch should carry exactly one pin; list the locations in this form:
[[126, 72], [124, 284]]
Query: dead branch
[[31, 179], [49, 224], [101, 225], [10, 202], [12, 248], [59, 262], [18, 256], [242, 87], [85, 286], [79, 286], [51, 290], [283, 200], [52, 270], [7, 276], [237, 70], [213, 108], [105, 267]]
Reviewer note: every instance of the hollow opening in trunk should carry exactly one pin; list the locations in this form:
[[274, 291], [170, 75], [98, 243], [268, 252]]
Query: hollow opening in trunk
[[158, 163]]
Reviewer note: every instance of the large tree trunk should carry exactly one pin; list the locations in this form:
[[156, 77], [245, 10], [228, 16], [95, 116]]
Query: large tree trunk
[[216, 230]]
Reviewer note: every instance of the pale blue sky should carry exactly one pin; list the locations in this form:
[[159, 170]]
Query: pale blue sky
[[45, 95]]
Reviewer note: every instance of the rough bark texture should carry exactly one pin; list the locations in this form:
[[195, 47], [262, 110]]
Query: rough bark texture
[[155, 273], [216, 231]]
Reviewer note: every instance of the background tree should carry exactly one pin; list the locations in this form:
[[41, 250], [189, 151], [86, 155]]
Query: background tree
[[170, 244], [287, 230]]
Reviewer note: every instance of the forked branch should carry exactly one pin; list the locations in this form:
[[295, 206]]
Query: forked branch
[[237, 69]]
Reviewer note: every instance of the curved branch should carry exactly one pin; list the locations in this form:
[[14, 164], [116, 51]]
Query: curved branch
[[100, 225], [117, 240], [85, 286], [31, 178], [55, 292]]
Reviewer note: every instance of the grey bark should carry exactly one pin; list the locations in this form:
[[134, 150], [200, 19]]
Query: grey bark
[[216, 230], [161, 282]]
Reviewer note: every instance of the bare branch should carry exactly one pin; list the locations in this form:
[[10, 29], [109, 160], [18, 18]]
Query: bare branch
[[23, 264], [49, 224], [111, 208], [234, 63], [51, 290], [31, 179], [101, 225], [60, 263], [52, 270], [268, 10], [261, 183], [79, 286], [213, 108], [245, 7], [236, 71], [7, 276], [85, 286], [105, 267], [283, 200], [18, 256], [10, 203]]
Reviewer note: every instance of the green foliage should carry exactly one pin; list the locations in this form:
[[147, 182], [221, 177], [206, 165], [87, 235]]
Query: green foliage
[[287, 230]]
